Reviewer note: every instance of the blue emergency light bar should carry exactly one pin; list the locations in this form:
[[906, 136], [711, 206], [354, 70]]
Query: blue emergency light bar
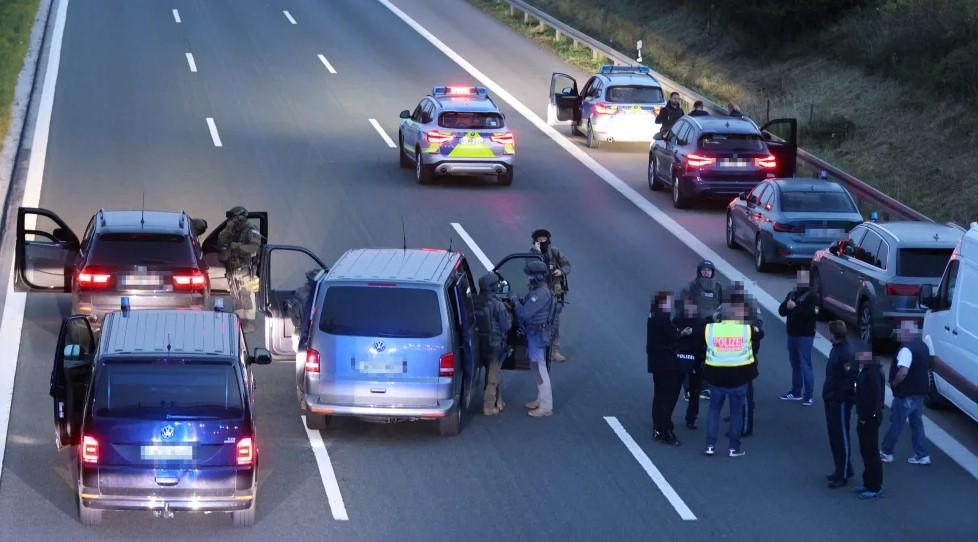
[[608, 69], [459, 91]]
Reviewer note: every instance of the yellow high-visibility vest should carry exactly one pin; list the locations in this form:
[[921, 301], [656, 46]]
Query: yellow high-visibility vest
[[728, 344]]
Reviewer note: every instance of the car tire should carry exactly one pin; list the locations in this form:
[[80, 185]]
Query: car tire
[[864, 323], [246, 517], [934, 399], [317, 422], [506, 179], [451, 424], [422, 172], [760, 256], [679, 198], [405, 161], [731, 238], [592, 141], [655, 184], [90, 517]]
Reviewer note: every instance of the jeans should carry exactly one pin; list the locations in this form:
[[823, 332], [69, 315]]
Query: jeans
[[536, 351], [717, 397], [902, 409], [800, 356]]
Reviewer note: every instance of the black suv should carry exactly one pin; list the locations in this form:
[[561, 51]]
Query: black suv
[[720, 157]]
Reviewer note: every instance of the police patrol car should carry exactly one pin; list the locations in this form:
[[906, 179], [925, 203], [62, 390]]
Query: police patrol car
[[456, 131]]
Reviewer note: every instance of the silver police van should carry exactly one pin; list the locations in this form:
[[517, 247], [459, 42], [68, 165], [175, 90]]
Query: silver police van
[[392, 332]]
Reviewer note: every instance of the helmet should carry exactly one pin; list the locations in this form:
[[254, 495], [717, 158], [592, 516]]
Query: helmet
[[705, 264], [540, 233], [488, 283], [535, 267], [238, 211]]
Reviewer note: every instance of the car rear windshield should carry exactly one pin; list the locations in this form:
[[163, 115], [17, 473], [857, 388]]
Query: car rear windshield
[[381, 311], [127, 249], [634, 94], [816, 202], [732, 143], [923, 262], [470, 120], [168, 390]]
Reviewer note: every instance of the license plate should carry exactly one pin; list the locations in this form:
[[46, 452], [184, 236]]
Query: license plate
[[472, 140], [164, 453], [733, 163], [141, 280], [822, 233], [382, 367]]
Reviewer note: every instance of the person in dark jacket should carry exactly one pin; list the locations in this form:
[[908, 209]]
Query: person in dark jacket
[[494, 324], [838, 394], [691, 353], [869, 416], [698, 110], [667, 372], [910, 380], [669, 114], [801, 308], [560, 268], [734, 111], [706, 290]]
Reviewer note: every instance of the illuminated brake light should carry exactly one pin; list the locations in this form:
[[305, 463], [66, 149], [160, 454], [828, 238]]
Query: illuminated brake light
[[604, 109], [788, 228], [446, 365], [92, 280], [903, 289], [245, 452], [195, 280], [312, 360], [766, 162], [89, 449], [505, 138], [437, 138], [699, 160]]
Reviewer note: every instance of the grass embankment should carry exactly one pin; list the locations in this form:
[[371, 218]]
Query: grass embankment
[[912, 133], [16, 20]]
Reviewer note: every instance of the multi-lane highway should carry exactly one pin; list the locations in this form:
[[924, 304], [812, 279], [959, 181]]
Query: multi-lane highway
[[290, 88]]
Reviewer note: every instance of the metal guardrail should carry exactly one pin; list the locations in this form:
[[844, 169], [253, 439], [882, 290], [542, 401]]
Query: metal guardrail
[[868, 197]]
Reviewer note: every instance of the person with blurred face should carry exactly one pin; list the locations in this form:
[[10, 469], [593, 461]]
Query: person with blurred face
[[910, 380], [691, 352], [869, 416], [669, 114], [800, 307], [667, 372], [838, 394], [729, 367]]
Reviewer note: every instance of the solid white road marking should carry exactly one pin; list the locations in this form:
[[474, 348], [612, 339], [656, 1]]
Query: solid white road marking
[[191, 63], [215, 137], [330, 484], [383, 134], [176, 16], [16, 302], [643, 459], [942, 439], [289, 16], [476, 251], [327, 64]]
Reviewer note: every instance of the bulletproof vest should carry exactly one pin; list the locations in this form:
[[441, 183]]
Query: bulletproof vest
[[917, 381], [489, 336]]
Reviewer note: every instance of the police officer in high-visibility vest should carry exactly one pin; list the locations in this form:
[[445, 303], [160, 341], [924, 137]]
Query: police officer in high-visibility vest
[[730, 366]]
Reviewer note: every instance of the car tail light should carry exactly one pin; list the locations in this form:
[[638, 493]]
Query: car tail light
[[244, 452], [90, 279], [604, 109], [699, 160], [437, 138], [446, 365], [312, 360], [788, 228], [505, 138], [89, 449], [766, 162], [189, 280], [903, 289]]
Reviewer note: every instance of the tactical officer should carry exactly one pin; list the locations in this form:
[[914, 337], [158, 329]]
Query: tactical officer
[[559, 267], [705, 289], [838, 394], [730, 366], [494, 323], [536, 314], [239, 243], [300, 306]]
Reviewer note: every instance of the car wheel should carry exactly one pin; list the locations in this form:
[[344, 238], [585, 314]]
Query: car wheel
[[246, 517], [592, 141], [654, 183], [864, 323], [679, 199], [506, 178], [422, 173], [405, 161], [317, 422], [451, 424], [88, 516], [934, 399], [731, 238], [760, 256]]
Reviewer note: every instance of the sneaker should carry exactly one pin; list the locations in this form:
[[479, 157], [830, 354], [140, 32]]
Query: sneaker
[[540, 413], [925, 460], [686, 396], [866, 495], [790, 397], [710, 450], [808, 402], [886, 458], [533, 405], [705, 394], [736, 453]]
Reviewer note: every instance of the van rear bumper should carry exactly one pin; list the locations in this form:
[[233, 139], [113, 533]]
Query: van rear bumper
[[314, 405], [220, 489], [239, 500]]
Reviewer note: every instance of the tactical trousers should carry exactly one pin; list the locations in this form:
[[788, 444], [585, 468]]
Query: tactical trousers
[[666, 385], [242, 298], [537, 354], [869, 447], [493, 396], [837, 420]]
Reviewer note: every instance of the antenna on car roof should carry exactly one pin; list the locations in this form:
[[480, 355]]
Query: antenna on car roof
[[404, 233], [451, 242], [142, 212], [168, 345]]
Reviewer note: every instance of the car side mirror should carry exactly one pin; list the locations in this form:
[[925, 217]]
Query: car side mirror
[[742, 196], [658, 136], [72, 352], [567, 91], [927, 297], [405, 114], [261, 357]]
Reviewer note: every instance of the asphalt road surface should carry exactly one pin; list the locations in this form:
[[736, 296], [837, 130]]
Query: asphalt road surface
[[129, 119]]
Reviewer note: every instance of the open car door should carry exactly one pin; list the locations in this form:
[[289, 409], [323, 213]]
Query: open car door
[[513, 279], [45, 253], [71, 376], [283, 276], [781, 136], [215, 267], [564, 99]]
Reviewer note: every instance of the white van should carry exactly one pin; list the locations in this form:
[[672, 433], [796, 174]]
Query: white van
[[951, 329]]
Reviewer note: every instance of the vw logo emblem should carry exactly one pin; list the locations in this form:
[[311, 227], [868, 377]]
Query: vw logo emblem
[[167, 432], [379, 346]]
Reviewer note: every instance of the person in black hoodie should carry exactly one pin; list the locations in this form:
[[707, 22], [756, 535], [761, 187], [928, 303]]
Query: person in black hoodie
[[667, 373], [691, 352], [669, 114], [838, 394], [801, 308], [869, 415]]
